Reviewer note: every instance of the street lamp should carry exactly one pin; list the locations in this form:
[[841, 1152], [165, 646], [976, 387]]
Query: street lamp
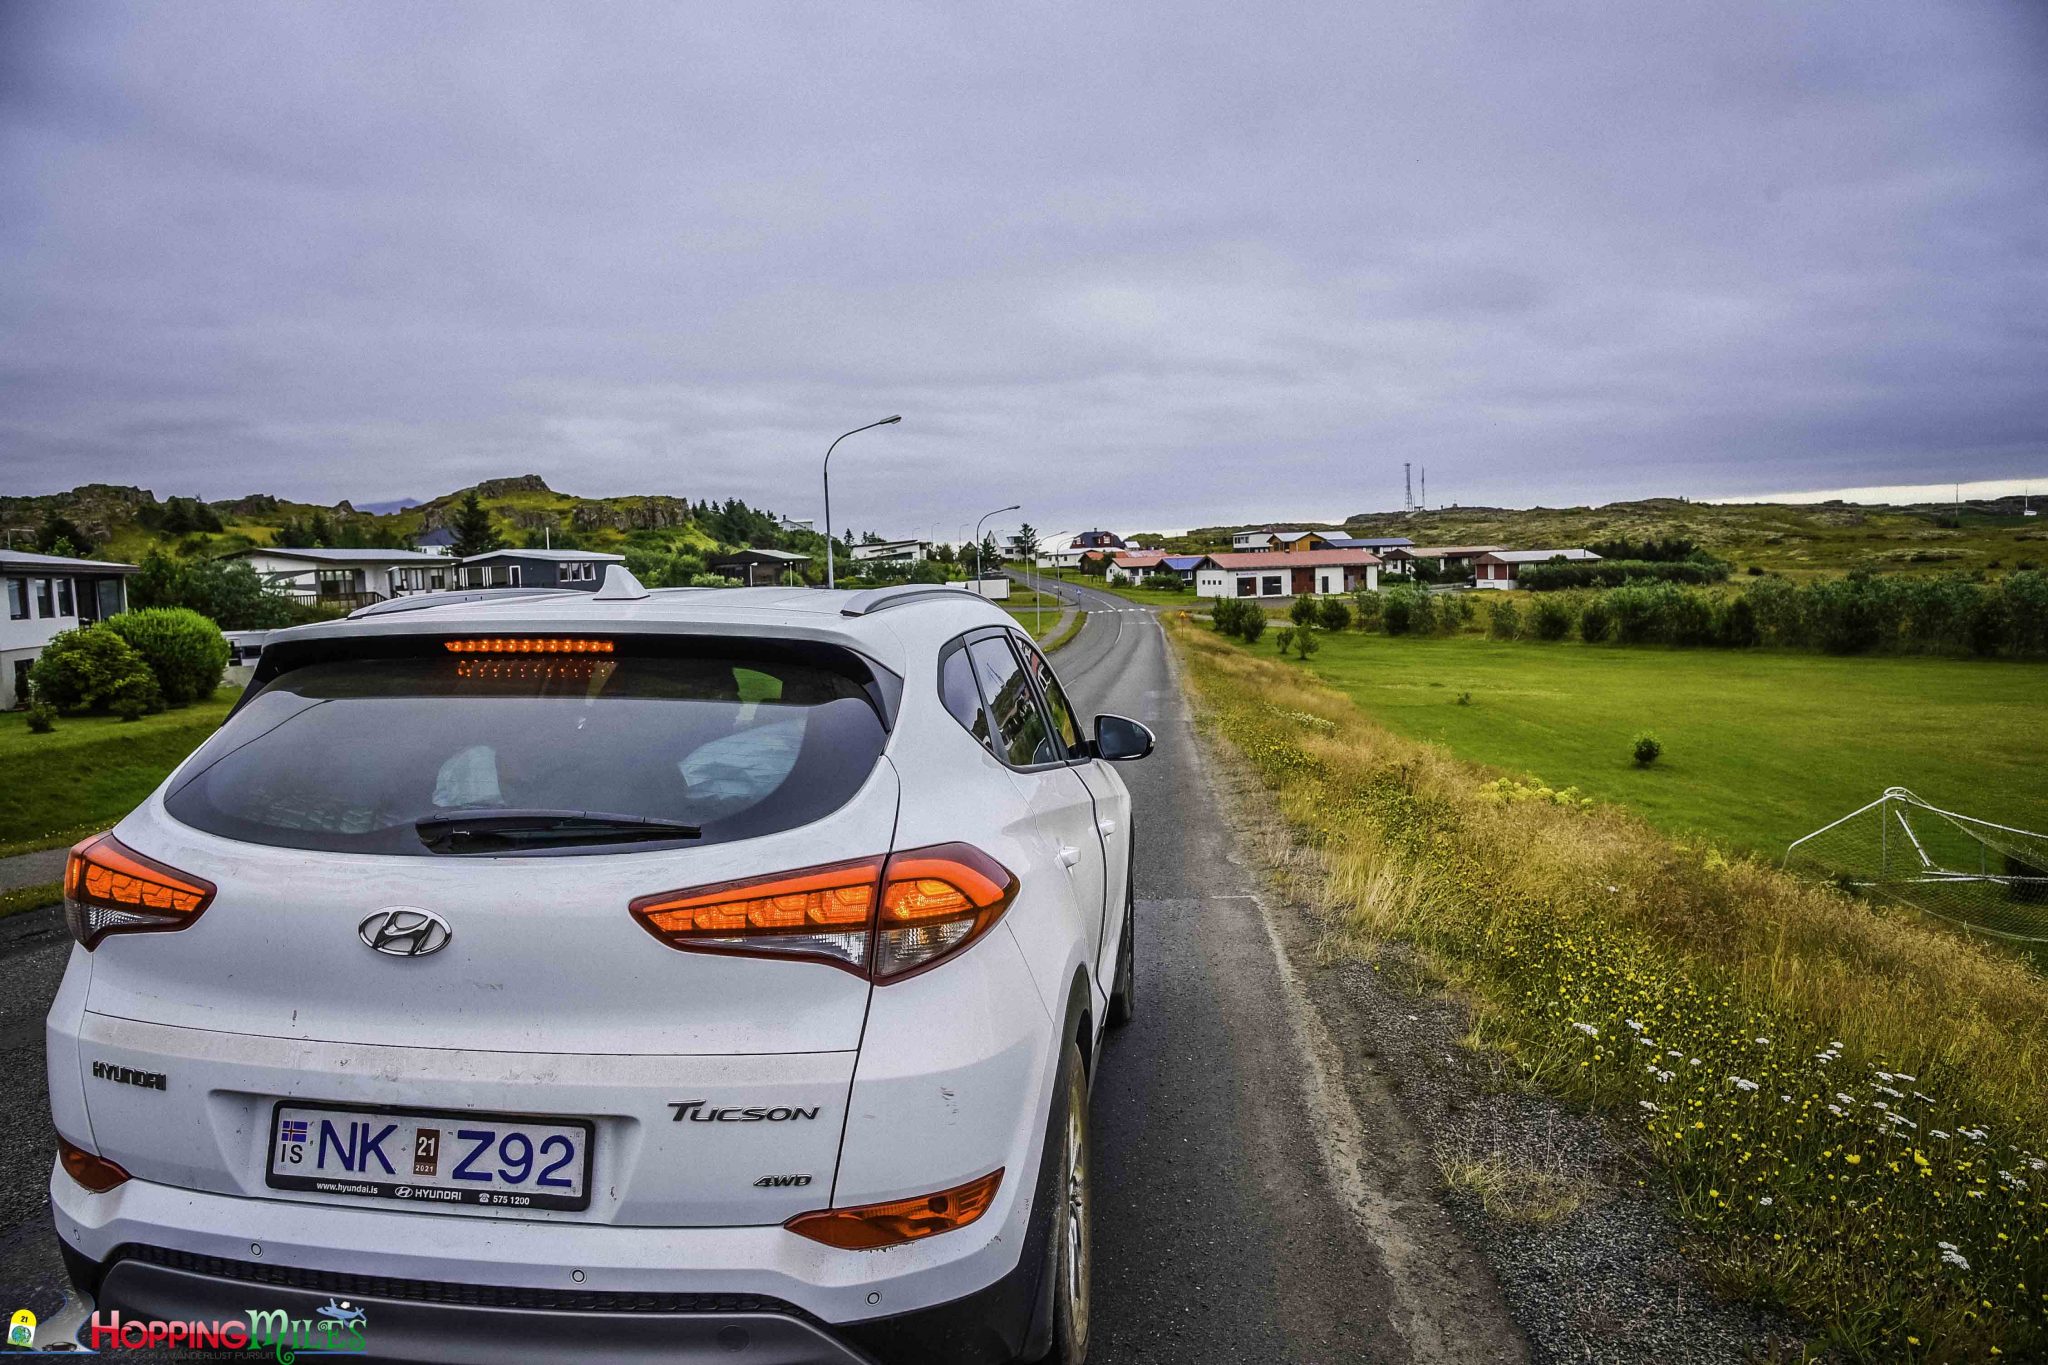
[[831, 579], [977, 538]]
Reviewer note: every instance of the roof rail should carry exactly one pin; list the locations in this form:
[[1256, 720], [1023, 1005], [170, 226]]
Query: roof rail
[[871, 600], [419, 601]]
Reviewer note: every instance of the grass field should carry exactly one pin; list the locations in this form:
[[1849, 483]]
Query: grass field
[[1759, 746], [1845, 1103], [91, 770]]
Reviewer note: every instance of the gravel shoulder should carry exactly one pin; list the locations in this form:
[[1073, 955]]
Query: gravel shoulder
[[1563, 1213]]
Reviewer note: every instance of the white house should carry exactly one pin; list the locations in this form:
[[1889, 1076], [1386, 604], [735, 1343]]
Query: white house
[[1496, 568], [348, 578], [46, 594], [1401, 559], [895, 551], [1287, 573]]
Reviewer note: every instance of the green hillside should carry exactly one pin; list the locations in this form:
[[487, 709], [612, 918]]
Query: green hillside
[[1792, 539]]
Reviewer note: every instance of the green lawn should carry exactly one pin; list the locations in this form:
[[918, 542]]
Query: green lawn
[[91, 770], [1760, 747]]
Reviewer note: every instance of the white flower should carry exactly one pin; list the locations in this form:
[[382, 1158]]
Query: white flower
[[1674, 1053], [1936, 1132], [1634, 1024], [1902, 1076], [1975, 1134], [1879, 1104], [1696, 1061], [1647, 1105], [1786, 1098], [1765, 1202], [1846, 1099], [1744, 1086], [1587, 1029], [1647, 1042], [1895, 1094], [1950, 1256], [1836, 1110], [1765, 1042]]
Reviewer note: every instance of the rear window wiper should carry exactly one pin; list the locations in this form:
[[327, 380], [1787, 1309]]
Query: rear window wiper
[[498, 828]]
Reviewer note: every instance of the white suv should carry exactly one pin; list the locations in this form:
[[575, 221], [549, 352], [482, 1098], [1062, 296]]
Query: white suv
[[614, 975]]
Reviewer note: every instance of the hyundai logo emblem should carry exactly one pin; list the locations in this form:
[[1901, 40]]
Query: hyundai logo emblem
[[405, 931]]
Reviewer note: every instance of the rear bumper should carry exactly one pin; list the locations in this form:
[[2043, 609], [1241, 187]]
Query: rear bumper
[[411, 1320]]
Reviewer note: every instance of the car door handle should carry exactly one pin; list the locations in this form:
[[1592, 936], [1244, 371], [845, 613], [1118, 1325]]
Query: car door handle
[[1069, 856]]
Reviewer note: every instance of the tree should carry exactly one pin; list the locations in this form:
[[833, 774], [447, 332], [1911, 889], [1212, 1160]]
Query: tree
[[472, 527], [1025, 544], [60, 535]]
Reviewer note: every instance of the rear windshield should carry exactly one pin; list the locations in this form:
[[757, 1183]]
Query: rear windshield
[[364, 756]]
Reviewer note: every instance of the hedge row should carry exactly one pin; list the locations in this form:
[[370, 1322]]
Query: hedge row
[[1613, 573]]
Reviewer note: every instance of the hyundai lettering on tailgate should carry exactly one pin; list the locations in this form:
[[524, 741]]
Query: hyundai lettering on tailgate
[[431, 1156]]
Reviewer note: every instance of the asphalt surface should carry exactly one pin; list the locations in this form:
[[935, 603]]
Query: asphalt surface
[[1238, 1214]]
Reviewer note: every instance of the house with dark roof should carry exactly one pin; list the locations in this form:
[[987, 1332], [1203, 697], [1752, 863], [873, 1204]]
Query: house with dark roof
[[1496, 568], [759, 568], [46, 594], [582, 569]]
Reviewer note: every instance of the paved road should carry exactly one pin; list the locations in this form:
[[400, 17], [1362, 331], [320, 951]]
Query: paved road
[[1241, 1217]]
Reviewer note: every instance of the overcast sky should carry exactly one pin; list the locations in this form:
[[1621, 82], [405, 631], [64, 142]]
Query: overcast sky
[[1146, 263]]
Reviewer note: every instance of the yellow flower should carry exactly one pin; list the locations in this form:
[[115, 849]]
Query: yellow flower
[[1853, 1159]]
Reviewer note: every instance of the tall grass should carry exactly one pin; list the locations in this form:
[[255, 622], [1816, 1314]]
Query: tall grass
[[1848, 1102]]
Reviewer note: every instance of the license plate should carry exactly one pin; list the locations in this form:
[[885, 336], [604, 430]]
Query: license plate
[[431, 1157]]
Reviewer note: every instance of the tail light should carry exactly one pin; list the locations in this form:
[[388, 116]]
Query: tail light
[[95, 1173], [883, 918], [870, 1227], [109, 888]]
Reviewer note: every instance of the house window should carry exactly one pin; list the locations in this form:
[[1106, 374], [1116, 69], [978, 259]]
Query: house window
[[1271, 586], [44, 604], [17, 599], [67, 605]]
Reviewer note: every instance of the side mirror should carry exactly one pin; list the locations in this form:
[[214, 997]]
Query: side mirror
[[1120, 739]]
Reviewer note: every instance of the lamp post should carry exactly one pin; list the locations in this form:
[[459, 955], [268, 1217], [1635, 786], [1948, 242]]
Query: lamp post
[[831, 579], [977, 538]]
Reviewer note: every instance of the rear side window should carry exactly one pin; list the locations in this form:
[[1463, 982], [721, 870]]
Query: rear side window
[[1020, 728], [957, 692], [364, 755], [1065, 727]]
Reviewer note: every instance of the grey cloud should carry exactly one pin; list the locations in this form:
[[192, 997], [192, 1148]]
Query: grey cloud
[[1160, 264]]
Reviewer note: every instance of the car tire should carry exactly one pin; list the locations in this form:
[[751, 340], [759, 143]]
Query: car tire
[[1072, 1259], [1123, 997]]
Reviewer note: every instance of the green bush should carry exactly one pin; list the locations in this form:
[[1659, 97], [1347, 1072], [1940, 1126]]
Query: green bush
[[1240, 617], [1612, 573], [1550, 618], [224, 591], [1283, 638], [1332, 613], [1735, 624], [1455, 611], [1166, 582], [185, 651], [1398, 610], [1503, 618], [1596, 621], [93, 669], [1638, 613], [1851, 615], [1368, 610], [1646, 748], [42, 717], [1688, 615], [1307, 640], [1303, 612]]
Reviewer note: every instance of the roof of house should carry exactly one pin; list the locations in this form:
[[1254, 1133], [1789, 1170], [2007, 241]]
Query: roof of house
[[1299, 559], [752, 556], [320, 554], [558, 556], [1440, 551], [23, 559], [1181, 563], [1368, 542], [889, 544], [1535, 556], [440, 535], [1136, 559]]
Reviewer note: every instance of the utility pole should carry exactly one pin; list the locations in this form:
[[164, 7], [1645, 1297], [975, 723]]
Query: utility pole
[[1407, 486], [1425, 488]]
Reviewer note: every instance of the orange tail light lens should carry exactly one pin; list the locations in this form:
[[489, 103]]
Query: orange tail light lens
[[95, 1173], [872, 1226], [528, 644], [109, 888], [878, 917]]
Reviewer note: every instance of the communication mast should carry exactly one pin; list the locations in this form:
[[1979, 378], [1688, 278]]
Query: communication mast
[[1407, 486]]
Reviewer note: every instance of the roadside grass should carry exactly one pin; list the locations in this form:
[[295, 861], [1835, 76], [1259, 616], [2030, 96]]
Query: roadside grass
[[30, 898], [1847, 1104], [91, 770], [1760, 746], [1065, 637], [1516, 1193]]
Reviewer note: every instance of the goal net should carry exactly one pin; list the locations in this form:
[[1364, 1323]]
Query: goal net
[[1986, 877]]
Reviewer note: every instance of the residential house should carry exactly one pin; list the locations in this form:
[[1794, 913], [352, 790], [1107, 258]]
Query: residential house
[[1379, 545], [894, 552], [1401, 559], [759, 568], [1287, 573], [1135, 566], [346, 578], [1079, 548], [46, 594], [580, 569], [1278, 539], [1496, 568], [439, 541], [787, 524]]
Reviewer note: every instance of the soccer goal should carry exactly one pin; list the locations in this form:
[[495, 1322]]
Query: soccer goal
[[1987, 877]]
